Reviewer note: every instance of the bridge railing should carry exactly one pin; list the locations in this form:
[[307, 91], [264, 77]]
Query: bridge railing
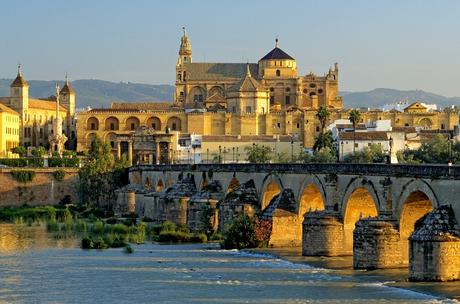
[[426, 170]]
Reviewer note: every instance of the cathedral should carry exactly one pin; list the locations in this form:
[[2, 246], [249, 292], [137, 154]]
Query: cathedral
[[219, 109], [274, 78]]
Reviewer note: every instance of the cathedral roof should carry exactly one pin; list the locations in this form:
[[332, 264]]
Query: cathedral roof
[[44, 105], [277, 54], [218, 71], [247, 84], [4, 108]]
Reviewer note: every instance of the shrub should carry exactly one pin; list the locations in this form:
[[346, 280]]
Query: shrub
[[129, 249], [246, 232], [59, 175], [199, 238], [87, 243], [23, 176]]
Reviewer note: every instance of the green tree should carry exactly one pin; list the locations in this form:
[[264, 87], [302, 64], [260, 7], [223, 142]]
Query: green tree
[[101, 175], [439, 150], [39, 152], [354, 116], [325, 155], [323, 140], [322, 114], [371, 154], [258, 154], [21, 150]]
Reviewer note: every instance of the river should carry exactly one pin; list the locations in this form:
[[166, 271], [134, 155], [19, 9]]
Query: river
[[37, 268]]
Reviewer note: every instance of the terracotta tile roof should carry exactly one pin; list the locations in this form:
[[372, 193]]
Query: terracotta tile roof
[[44, 105], [218, 71], [404, 129], [372, 135], [245, 138], [4, 108], [154, 106]]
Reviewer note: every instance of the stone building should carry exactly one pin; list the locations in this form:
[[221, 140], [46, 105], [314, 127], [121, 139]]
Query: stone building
[[230, 102], [36, 116]]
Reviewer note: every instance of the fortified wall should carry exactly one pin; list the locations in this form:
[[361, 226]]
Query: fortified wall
[[44, 188]]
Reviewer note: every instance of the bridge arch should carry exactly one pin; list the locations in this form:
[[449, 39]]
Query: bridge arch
[[416, 200], [312, 195], [271, 186], [360, 200]]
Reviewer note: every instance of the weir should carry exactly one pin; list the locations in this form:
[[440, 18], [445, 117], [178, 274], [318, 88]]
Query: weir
[[366, 210]]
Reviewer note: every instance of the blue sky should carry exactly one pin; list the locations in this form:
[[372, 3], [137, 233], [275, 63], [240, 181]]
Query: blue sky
[[396, 44]]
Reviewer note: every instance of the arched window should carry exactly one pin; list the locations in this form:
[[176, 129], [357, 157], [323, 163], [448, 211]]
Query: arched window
[[278, 73]]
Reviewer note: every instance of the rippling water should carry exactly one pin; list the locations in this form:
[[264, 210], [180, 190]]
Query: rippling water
[[36, 268]]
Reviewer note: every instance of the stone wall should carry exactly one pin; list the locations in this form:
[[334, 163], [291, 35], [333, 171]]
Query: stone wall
[[44, 189]]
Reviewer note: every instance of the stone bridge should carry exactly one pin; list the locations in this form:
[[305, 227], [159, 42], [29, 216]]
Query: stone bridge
[[317, 206]]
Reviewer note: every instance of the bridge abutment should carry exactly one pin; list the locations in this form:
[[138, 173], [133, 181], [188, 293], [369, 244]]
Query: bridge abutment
[[376, 244]]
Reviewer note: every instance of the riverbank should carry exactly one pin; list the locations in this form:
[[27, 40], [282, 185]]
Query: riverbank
[[389, 277]]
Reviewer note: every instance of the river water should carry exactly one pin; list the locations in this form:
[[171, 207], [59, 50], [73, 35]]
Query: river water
[[37, 268]]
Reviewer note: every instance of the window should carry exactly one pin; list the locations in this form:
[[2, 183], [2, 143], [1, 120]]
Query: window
[[93, 126], [320, 91], [154, 126], [356, 145], [298, 125], [442, 126], [279, 125], [312, 85], [183, 78], [278, 73], [288, 99], [406, 125], [234, 109], [179, 77], [305, 91], [317, 129], [112, 144], [288, 89], [263, 110], [174, 126], [272, 100], [312, 94], [112, 126], [272, 89], [133, 126], [181, 93], [185, 59]]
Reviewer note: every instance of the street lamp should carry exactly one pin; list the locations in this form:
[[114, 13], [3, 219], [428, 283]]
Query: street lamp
[[237, 155], [341, 150], [220, 154], [207, 155], [233, 154], [193, 147], [292, 149], [391, 148]]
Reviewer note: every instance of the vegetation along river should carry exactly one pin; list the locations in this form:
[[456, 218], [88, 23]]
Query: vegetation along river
[[36, 267]]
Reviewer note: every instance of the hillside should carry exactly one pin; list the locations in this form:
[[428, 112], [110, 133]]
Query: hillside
[[99, 93]]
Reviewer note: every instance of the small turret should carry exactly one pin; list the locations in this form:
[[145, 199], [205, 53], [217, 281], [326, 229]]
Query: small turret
[[19, 94], [185, 50], [67, 94]]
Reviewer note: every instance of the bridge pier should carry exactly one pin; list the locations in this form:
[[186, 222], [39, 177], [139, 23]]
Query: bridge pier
[[376, 244], [435, 247], [322, 234]]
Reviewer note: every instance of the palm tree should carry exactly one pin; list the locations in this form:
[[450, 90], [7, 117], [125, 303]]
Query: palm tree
[[322, 114], [354, 117]]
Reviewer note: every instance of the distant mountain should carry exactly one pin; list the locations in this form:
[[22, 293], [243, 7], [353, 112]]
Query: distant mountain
[[98, 93], [378, 97]]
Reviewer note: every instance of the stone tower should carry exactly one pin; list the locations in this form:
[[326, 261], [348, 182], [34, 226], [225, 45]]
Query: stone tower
[[67, 99], [185, 56], [57, 139], [19, 95]]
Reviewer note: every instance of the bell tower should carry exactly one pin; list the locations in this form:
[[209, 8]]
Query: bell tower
[[185, 56], [19, 94]]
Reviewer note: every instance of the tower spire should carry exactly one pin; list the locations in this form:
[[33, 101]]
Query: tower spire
[[57, 100], [19, 69], [277, 42], [248, 71]]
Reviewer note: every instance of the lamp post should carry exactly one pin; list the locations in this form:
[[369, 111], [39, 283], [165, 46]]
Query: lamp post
[[341, 150], [292, 149], [194, 161], [220, 154], [233, 154], [207, 155], [237, 155], [188, 155], [391, 148]]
